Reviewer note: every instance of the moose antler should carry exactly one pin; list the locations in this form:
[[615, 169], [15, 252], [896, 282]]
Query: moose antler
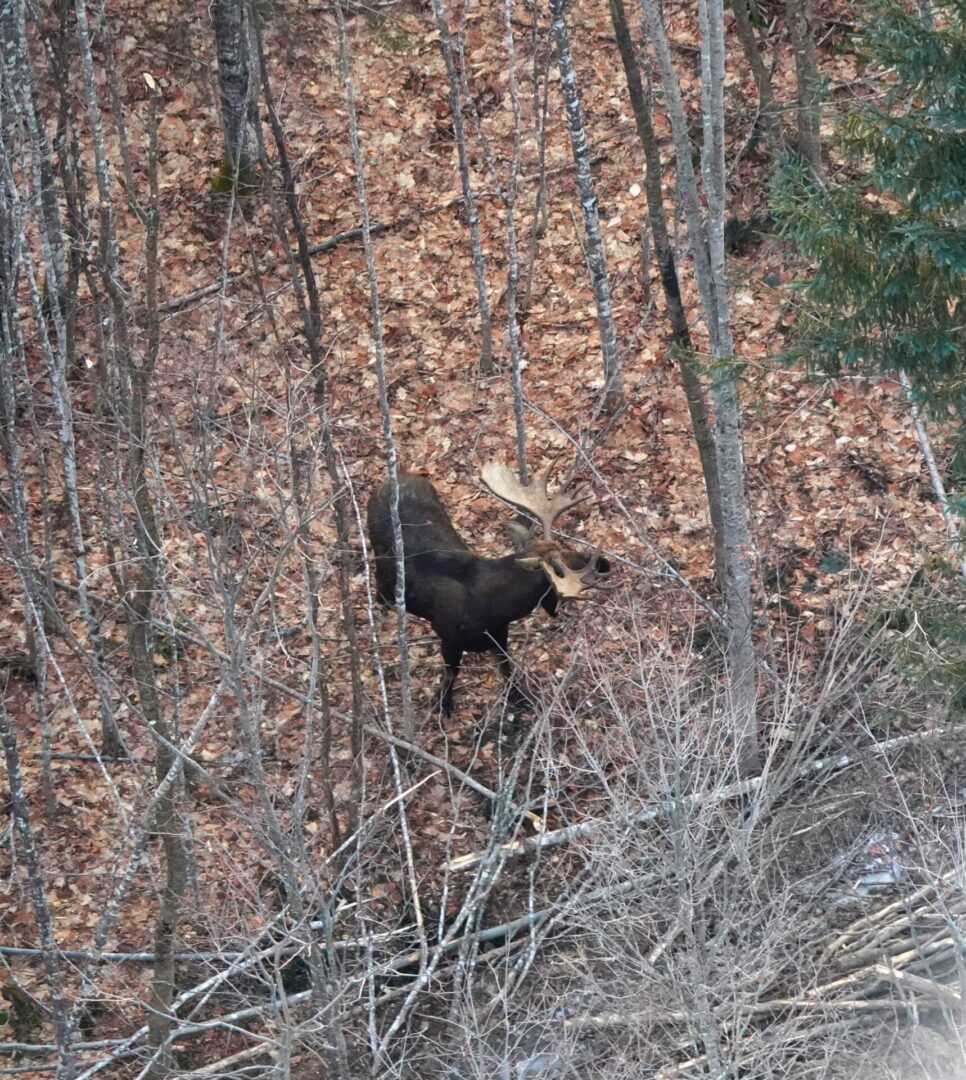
[[572, 584], [533, 497]]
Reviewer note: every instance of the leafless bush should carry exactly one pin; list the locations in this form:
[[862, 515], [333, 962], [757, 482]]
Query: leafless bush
[[692, 929]]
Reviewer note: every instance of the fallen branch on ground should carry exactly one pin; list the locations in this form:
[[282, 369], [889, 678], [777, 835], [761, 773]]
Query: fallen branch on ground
[[822, 766]]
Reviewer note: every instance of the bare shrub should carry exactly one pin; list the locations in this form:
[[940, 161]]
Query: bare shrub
[[699, 924]]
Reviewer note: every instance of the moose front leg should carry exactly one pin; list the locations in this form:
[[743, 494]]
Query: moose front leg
[[452, 657], [500, 638], [515, 697]]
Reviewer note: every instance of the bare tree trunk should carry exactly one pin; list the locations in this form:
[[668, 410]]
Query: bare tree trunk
[[57, 359], [541, 78], [237, 82], [950, 518], [143, 589], [509, 192], [67, 158], [799, 15], [295, 870], [392, 459], [684, 852], [38, 897], [36, 592], [53, 338], [737, 590], [706, 239], [34, 599], [476, 244], [767, 110], [613, 391], [15, 138], [20, 84], [105, 39], [310, 309], [682, 347]]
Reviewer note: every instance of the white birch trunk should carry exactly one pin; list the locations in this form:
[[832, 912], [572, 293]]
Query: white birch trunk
[[950, 518], [513, 252], [706, 238], [596, 262]]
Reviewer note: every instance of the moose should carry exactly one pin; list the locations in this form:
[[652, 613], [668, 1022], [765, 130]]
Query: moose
[[471, 600]]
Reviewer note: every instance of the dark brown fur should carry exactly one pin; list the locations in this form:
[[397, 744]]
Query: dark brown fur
[[469, 600]]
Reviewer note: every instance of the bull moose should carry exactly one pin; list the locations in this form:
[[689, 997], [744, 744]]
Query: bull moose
[[471, 600]]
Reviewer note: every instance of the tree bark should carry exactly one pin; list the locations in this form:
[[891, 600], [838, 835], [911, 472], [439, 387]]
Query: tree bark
[[509, 192], [950, 517], [681, 345], [23, 138], [737, 592], [799, 15], [767, 111], [476, 244], [541, 78], [236, 85], [111, 741], [139, 600], [38, 898], [310, 308], [392, 457], [596, 262], [706, 239]]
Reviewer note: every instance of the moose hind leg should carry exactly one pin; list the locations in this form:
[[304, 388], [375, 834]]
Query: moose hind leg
[[452, 657], [385, 585]]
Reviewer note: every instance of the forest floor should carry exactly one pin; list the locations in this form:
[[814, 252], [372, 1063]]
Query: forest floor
[[839, 499]]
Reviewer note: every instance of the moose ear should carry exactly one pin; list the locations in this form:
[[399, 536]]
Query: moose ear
[[520, 536]]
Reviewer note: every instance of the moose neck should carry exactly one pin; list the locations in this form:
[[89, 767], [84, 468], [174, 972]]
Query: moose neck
[[514, 589]]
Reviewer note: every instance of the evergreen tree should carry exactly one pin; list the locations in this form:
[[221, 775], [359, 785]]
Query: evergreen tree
[[889, 290]]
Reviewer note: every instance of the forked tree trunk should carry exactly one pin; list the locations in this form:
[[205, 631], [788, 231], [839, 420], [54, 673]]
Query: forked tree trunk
[[682, 347], [706, 238]]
